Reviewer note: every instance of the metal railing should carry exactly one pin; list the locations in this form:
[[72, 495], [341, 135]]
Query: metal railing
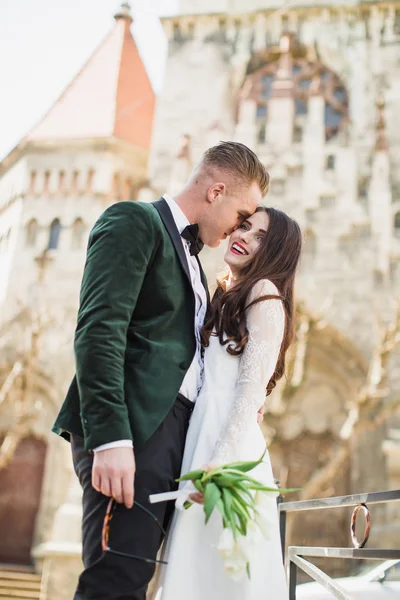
[[295, 554]]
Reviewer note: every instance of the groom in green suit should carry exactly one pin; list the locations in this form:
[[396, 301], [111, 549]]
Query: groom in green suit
[[139, 361]]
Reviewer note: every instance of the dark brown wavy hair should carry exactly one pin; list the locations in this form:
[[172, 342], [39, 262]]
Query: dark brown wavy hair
[[276, 259]]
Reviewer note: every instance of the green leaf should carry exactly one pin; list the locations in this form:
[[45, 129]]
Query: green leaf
[[263, 488], [248, 570], [241, 516], [242, 502], [245, 489], [211, 496], [245, 466], [242, 513], [242, 476], [225, 480], [187, 504], [198, 485], [221, 507], [227, 500], [193, 475]]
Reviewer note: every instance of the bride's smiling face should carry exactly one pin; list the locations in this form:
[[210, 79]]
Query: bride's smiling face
[[245, 241]]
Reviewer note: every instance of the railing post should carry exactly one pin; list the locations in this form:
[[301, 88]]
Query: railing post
[[297, 556], [292, 580], [282, 528]]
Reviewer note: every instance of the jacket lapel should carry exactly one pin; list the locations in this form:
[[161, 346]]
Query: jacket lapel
[[166, 216], [204, 280]]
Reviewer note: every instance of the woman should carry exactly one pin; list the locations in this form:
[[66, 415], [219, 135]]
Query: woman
[[246, 335]]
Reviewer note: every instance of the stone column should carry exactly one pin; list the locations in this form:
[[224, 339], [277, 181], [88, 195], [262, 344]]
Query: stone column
[[281, 108], [260, 33], [358, 79], [380, 195], [376, 24], [61, 555], [346, 179], [314, 147], [389, 31], [246, 129]]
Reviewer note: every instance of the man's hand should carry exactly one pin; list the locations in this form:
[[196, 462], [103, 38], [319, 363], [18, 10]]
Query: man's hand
[[260, 414], [113, 474]]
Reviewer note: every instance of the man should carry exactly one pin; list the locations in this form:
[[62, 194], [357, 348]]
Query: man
[[138, 361]]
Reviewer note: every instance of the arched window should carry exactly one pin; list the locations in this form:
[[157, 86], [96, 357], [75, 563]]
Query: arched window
[[397, 224], [78, 234], [75, 182], [32, 182], [31, 233], [89, 180], [117, 186], [177, 34], [55, 229], [128, 189], [61, 182], [46, 182], [330, 162], [307, 78]]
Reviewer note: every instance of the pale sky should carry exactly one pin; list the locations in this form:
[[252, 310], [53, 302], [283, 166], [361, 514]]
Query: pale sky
[[44, 43]]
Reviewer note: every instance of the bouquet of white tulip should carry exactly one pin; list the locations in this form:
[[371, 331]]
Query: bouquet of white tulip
[[246, 507]]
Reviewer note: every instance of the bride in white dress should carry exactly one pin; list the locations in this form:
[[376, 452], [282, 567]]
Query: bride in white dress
[[253, 308]]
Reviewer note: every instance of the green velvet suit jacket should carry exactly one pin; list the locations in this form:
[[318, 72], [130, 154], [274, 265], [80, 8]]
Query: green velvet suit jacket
[[134, 340]]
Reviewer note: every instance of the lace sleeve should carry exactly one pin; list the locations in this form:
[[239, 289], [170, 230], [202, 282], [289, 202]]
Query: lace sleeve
[[265, 323]]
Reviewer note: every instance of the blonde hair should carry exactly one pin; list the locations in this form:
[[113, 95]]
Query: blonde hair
[[241, 163]]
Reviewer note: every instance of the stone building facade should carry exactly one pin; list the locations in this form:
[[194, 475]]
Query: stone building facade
[[315, 91]]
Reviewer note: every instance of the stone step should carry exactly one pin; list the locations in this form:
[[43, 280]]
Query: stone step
[[15, 585], [12, 594], [23, 585], [10, 575], [18, 594]]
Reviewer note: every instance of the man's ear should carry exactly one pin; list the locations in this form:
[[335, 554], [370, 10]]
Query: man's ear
[[215, 190]]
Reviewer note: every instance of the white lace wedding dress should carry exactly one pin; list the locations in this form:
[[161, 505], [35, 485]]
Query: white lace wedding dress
[[223, 428]]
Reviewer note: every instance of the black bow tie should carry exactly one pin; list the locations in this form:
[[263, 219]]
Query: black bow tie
[[191, 234]]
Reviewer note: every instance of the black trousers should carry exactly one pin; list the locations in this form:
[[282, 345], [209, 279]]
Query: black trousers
[[107, 576]]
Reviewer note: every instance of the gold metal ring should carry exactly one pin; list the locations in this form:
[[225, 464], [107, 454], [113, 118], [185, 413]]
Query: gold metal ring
[[367, 529]]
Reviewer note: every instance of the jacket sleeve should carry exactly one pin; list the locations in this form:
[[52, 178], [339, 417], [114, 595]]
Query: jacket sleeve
[[120, 247]]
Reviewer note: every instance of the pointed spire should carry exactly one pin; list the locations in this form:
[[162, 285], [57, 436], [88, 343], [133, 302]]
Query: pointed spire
[[111, 97], [124, 12], [381, 143]]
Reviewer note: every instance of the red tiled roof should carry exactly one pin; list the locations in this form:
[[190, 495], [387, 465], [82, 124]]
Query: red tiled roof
[[111, 95]]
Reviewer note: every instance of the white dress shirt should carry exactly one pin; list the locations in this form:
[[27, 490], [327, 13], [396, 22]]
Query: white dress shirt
[[193, 379]]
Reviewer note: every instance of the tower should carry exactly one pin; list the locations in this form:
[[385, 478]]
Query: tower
[[89, 151]]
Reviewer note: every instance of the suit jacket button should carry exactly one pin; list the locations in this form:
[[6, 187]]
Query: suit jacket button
[[183, 366]]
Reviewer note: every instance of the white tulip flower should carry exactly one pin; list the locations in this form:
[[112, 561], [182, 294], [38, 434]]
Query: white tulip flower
[[265, 517], [226, 544], [236, 567]]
